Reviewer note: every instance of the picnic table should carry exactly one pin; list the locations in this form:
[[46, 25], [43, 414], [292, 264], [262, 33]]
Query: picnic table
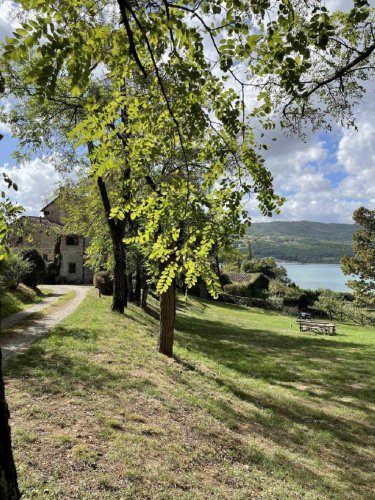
[[316, 326]]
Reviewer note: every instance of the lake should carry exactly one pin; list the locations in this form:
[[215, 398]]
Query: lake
[[314, 276]]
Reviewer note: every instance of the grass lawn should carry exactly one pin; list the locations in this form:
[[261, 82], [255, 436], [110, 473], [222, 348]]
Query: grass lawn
[[249, 409], [14, 301]]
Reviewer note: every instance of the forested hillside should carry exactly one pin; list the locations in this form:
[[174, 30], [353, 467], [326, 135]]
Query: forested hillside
[[300, 241]]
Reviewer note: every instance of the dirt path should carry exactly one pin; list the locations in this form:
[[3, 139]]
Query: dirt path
[[21, 336]]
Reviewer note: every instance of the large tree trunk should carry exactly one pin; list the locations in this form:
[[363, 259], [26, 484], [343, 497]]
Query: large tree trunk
[[144, 293], [120, 292], [129, 278], [8, 474], [167, 320], [138, 282], [117, 230]]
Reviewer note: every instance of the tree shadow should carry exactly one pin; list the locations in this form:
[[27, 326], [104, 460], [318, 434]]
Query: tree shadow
[[58, 371], [319, 373], [330, 363]]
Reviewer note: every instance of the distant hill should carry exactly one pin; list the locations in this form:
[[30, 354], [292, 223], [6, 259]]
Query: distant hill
[[300, 241]]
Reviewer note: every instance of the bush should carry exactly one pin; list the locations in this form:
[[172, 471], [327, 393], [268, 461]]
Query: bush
[[60, 280], [103, 281], [224, 280], [51, 275], [360, 315], [13, 271], [237, 289], [275, 302], [244, 301], [36, 269]]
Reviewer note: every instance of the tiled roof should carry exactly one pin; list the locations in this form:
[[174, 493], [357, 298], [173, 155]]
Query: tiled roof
[[246, 278], [48, 204]]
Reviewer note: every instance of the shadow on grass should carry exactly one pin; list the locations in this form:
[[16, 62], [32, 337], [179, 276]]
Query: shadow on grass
[[333, 365], [58, 369], [319, 372]]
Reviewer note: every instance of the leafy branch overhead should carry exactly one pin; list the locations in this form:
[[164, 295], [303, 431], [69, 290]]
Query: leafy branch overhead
[[164, 92]]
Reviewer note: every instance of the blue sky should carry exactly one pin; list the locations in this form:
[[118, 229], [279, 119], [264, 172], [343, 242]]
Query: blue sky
[[324, 179]]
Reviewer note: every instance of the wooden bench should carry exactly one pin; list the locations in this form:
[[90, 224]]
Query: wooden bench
[[316, 326]]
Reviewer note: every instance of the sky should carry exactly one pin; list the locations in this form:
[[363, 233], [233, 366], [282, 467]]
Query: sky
[[324, 179]]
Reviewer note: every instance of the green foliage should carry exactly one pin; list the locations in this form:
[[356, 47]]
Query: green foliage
[[8, 213], [178, 133], [267, 266], [13, 271], [36, 265], [256, 286], [359, 315], [103, 281], [362, 263], [330, 302], [238, 289]]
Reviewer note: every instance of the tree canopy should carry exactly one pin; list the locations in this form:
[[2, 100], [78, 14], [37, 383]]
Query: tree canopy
[[174, 98], [362, 263]]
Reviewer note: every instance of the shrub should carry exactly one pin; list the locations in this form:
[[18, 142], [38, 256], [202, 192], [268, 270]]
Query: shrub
[[276, 302], [103, 281], [60, 280], [52, 274], [360, 315], [237, 289], [13, 271], [37, 267], [224, 280]]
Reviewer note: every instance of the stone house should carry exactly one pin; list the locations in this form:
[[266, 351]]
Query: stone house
[[43, 232]]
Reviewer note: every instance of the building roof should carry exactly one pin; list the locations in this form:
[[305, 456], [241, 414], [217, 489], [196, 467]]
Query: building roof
[[246, 278], [239, 277], [50, 203]]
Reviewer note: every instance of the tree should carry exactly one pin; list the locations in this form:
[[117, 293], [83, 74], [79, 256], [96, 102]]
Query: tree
[[37, 266], [331, 303], [8, 474], [13, 269], [362, 263]]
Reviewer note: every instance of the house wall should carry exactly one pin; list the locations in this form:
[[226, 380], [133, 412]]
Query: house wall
[[34, 234], [41, 233], [52, 213], [73, 256]]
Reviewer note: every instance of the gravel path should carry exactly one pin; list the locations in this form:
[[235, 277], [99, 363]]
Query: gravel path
[[22, 336]]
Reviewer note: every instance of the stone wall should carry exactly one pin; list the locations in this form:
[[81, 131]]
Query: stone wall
[[52, 212], [35, 232], [72, 249], [41, 233]]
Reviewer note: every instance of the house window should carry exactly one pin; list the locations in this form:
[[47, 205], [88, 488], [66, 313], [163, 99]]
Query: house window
[[46, 212], [72, 267], [72, 240]]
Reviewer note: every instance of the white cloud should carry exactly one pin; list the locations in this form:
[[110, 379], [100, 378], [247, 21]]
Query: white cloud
[[7, 18], [326, 180], [36, 181]]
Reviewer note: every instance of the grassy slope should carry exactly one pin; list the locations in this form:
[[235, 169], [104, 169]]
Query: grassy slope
[[14, 301], [249, 409]]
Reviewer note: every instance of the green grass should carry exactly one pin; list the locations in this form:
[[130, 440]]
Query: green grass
[[14, 301], [249, 408]]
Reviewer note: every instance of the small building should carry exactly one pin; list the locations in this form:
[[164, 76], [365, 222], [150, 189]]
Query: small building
[[43, 233]]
